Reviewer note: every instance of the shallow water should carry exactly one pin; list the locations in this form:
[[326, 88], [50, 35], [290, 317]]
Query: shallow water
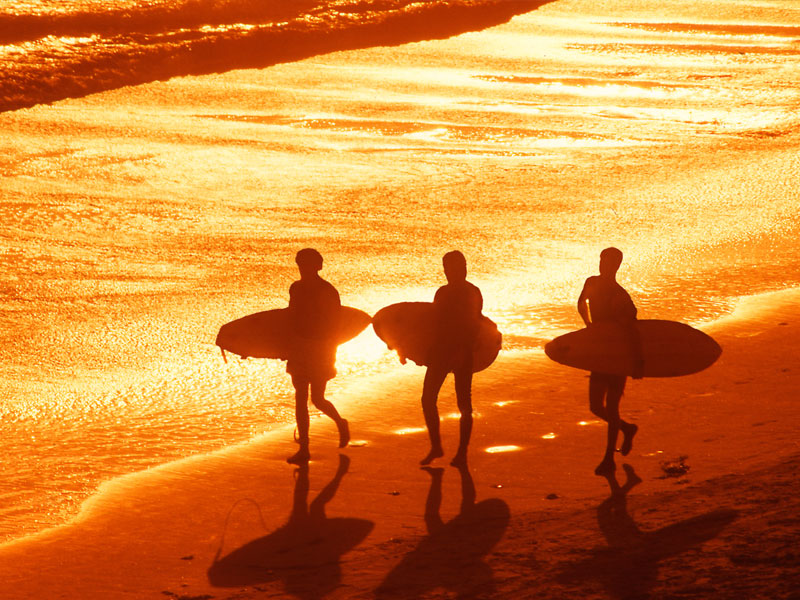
[[139, 220]]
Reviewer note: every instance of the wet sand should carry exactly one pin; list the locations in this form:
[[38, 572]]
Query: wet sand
[[540, 523]]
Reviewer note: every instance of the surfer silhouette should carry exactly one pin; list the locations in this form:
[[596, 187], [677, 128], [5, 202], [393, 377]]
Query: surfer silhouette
[[314, 307], [457, 306], [602, 300]]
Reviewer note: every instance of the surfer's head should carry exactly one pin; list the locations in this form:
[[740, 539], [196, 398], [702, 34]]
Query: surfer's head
[[610, 260], [309, 261], [455, 266]]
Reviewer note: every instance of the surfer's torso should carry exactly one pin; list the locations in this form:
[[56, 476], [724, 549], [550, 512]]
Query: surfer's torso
[[314, 307], [607, 300], [458, 311]]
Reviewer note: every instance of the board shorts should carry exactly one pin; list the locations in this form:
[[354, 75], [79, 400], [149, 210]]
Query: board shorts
[[611, 382], [451, 357], [313, 360]]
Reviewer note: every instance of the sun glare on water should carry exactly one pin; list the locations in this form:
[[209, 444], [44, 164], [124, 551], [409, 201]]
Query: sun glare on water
[[407, 430], [365, 347], [500, 449]]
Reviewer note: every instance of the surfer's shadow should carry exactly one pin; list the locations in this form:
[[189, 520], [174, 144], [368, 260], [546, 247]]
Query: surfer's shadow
[[304, 554], [628, 567], [452, 556]]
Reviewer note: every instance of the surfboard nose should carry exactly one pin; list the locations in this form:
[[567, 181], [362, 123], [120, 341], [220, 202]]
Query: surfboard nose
[[556, 350]]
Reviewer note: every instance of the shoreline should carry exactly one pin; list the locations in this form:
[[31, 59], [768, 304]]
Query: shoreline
[[126, 172], [401, 380], [135, 535]]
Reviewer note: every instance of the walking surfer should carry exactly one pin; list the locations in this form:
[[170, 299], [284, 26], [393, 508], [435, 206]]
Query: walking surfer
[[457, 306], [314, 308], [602, 300]]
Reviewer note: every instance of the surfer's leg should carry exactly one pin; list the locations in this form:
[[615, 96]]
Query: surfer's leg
[[301, 417], [628, 431], [463, 379], [615, 390], [327, 408], [616, 385], [301, 409], [598, 386], [434, 378]]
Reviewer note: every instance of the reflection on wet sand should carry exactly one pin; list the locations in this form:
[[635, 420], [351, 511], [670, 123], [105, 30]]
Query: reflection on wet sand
[[628, 568], [304, 553], [452, 556]]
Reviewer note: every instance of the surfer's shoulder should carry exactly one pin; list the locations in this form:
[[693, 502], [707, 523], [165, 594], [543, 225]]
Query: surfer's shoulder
[[475, 291], [327, 285], [330, 290], [591, 282], [621, 291]]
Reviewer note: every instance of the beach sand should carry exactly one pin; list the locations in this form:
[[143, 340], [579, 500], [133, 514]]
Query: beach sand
[[715, 515]]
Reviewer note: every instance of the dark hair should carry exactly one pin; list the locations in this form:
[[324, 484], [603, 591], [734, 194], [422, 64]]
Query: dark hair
[[309, 257], [613, 256], [455, 258]]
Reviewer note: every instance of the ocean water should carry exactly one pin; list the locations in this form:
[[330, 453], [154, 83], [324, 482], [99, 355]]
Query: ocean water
[[140, 214], [56, 50]]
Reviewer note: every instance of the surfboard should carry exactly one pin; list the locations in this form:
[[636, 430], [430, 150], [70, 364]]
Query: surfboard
[[669, 348], [267, 334], [408, 328]]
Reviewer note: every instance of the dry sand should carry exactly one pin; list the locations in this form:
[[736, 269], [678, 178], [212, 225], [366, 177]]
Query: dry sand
[[706, 508]]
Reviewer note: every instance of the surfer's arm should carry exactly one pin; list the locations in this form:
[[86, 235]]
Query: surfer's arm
[[583, 305], [629, 312], [441, 315], [636, 344], [293, 302], [331, 314], [475, 325], [440, 310]]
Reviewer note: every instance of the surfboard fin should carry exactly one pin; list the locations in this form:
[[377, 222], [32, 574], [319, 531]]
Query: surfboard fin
[[225, 358]]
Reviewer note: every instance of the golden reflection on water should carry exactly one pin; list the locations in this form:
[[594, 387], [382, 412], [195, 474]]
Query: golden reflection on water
[[501, 449], [408, 430], [365, 347]]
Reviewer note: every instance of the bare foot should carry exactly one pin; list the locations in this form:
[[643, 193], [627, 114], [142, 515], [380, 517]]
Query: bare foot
[[300, 457], [607, 467], [344, 433], [628, 431], [433, 454]]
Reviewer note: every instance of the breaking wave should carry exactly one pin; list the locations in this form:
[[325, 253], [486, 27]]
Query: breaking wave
[[49, 55]]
